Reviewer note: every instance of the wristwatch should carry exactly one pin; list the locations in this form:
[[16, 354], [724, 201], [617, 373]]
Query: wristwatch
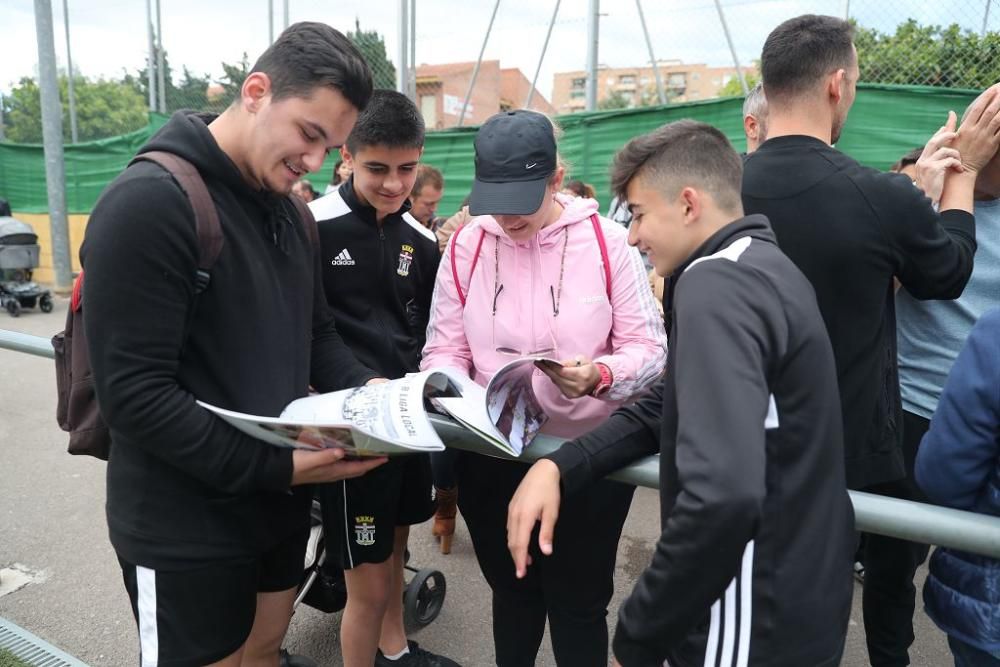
[[604, 384]]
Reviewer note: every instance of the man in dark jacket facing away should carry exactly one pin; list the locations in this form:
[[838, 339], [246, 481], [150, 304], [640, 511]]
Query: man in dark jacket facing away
[[753, 563], [850, 230], [210, 525]]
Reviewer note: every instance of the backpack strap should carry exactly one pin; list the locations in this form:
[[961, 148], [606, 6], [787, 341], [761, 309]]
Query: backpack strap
[[454, 262], [206, 217], [599, 233]]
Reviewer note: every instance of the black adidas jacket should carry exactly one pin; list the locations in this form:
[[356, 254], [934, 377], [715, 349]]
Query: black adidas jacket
[[850, 230], [753, 566], [378, 279], [183, 485]]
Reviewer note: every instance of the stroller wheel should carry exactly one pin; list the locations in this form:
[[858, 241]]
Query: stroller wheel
[[423, 598], [45, 303], [14, 308], [289, 660]]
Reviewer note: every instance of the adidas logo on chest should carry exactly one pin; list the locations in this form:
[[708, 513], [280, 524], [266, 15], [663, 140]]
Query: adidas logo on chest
[[343, 259]]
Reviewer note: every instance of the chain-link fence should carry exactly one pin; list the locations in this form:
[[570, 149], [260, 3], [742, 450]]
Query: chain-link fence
[[195, 56]]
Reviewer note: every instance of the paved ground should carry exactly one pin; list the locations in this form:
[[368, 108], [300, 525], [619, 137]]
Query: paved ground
[[52, 526]]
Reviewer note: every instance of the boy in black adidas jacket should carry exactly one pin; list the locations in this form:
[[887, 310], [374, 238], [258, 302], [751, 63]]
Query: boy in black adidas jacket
[[379, 266], [752, 567]]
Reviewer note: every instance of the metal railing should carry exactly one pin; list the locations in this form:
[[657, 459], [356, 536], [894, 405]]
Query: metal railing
[[904, 519]]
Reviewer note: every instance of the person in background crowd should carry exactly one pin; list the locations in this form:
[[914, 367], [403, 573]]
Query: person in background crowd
[[532, 281], [863, 228], [931, 334], [379, 265], [579, 189], [209, 524], [751, 567], [341, 172], [428, 190], [445, 231], [304, 189], [755, 117], [958, 465]]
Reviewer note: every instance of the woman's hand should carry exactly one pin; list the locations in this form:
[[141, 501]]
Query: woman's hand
[[575, 378]]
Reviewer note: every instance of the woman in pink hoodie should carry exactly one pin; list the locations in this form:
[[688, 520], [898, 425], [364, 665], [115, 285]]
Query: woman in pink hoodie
[[529, 277]]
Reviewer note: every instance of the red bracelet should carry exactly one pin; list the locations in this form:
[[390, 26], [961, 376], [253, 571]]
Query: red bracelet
[[604, 383]]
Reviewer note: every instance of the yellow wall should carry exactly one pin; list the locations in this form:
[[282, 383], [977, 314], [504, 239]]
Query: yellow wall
[[45, 273]]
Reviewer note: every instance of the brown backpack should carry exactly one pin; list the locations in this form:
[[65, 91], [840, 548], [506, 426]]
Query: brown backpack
[[76, 410]]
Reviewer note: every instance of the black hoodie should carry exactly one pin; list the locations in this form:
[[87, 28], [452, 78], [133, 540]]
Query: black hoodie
[[183, 485], [753, 563], [850, 230]]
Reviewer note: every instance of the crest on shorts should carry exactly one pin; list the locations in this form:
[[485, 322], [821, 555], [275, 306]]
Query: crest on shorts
[[364, 530], [405, 259]]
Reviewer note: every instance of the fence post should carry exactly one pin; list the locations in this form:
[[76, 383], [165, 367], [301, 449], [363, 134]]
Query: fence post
[[545, 47], [479, 61], [55, 169], [402, 73], [69, 77], [732, 49], [661, 94], [593, 29]]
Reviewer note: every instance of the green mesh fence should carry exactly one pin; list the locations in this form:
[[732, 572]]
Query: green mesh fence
[[885, 122]]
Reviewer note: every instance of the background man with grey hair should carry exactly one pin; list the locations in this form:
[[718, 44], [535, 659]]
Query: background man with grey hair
[[755, 117]]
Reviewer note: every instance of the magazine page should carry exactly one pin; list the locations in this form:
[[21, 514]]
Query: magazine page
[[375, 420], [506, 413]]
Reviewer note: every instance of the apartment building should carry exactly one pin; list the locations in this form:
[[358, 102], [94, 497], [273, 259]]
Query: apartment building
[[681, 82], [441, 91]]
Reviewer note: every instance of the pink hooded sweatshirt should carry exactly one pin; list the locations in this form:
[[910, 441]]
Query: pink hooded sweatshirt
[[625, 333]]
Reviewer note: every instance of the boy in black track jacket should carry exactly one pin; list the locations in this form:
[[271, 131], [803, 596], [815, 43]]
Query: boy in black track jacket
[[757, 524], [209, 524], [379, 266]]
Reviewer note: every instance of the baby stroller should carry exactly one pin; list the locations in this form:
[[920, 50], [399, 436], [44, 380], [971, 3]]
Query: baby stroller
[[323, 587], [18, 256]]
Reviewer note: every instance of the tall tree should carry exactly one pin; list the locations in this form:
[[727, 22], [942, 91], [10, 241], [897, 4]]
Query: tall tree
[[104, 108], [372, 47], [615, 100], [232, 81], [929, 55]]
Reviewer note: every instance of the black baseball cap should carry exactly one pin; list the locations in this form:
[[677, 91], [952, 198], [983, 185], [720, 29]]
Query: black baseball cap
[[515, 156]]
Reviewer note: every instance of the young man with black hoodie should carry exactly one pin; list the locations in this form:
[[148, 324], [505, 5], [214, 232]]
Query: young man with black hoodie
[[379, 265], [753, 563], [851, 229], [210, 525]]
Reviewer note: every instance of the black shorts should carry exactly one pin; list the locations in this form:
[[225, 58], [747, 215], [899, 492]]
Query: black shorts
[[360, 515], [201, 615]]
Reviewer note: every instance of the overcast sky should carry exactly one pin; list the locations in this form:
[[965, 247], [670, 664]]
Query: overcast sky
[[109, 36]]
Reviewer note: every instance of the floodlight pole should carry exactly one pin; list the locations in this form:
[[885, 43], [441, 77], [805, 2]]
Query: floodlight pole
[[404, 52], [160, 78], [652, 59], [69, 77], [986, 18], [52, 140], [545, 47], [732, 49], [270, 21], [412, 40], [479, 61], [593, 30], [151, 59]]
